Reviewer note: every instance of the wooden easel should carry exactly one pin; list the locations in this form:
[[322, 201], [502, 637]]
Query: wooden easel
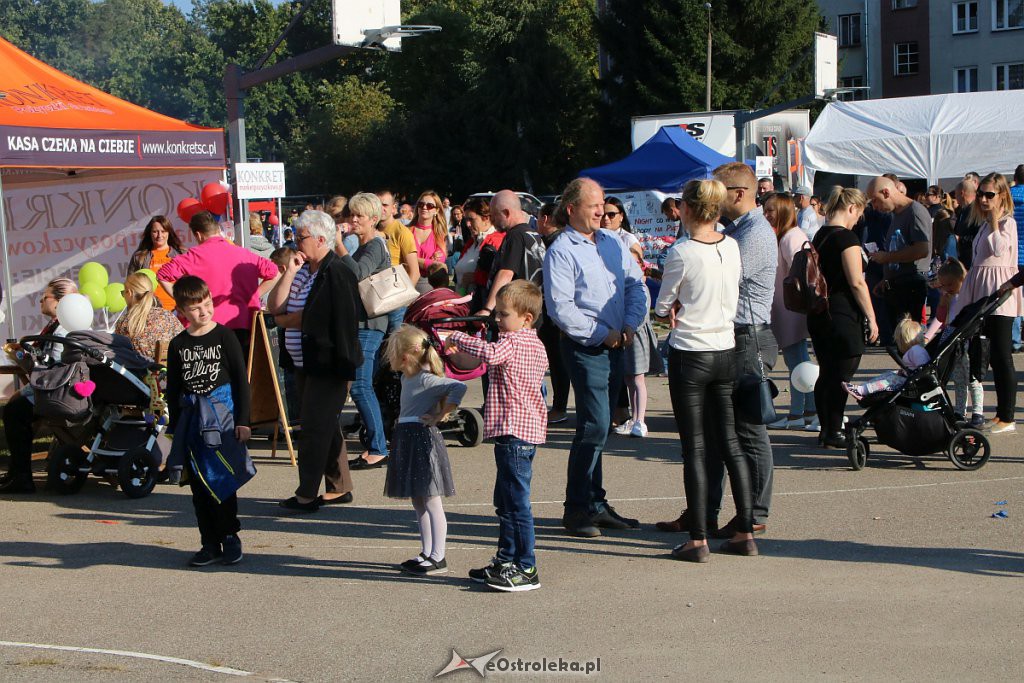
[[267, 404]]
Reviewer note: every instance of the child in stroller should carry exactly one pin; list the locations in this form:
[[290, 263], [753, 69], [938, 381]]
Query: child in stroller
[[103, 405], [919, 418], [909, 338]]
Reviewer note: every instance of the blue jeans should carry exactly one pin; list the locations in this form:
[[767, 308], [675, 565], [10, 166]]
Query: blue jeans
[[514, 460], [362, 392], [395, 319], [596, 375], [800, 403], [1016, 333]]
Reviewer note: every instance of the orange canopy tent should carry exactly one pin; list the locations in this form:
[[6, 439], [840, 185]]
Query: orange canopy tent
[[83, 172]]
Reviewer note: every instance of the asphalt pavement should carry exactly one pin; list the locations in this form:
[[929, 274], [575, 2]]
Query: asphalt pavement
[[895, 572]]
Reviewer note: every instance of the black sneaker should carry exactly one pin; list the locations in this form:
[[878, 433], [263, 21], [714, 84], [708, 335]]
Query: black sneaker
[[608, 518], [434, 567], [514, 579], [17, 483], [483, 573], [207, 556], [232, 550]]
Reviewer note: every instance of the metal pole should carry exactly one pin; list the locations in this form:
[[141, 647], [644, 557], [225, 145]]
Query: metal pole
[[8, 286], [236, 143], [707, 93]]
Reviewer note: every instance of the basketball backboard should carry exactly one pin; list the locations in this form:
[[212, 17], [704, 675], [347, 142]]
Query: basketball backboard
[[826, 64], [354, 20]]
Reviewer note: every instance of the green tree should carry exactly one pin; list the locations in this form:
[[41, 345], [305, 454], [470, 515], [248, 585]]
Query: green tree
[[657, 55]]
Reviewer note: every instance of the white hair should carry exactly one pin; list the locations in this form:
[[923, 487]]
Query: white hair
[[318, 224]]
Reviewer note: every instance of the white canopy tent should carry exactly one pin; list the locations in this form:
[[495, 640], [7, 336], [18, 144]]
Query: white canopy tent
[[932, 137]]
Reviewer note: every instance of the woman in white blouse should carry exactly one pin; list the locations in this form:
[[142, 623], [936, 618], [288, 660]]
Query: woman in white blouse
[[700, 290]]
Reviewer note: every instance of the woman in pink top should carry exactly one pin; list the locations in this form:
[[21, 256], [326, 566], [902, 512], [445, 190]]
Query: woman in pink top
[[430, 229], [995, 262], [790, 328]]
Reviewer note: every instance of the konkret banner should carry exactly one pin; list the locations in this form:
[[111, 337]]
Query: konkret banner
[[66, 148]]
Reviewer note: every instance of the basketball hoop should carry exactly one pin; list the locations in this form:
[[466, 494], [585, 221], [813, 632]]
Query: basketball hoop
[[375, 37]]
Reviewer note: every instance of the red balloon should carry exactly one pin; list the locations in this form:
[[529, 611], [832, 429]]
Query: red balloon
[[188, 207], [274, 220], [215, 198]]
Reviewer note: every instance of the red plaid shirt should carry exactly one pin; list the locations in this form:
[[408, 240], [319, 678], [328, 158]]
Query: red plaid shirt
[[516, 364]]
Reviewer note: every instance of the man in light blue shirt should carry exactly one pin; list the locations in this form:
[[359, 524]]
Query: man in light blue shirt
[[594, 293]]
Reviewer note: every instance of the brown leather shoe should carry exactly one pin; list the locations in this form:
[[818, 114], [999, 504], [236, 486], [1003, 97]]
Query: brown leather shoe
[[746, 548], [698, 553], [676, 526], [730, 530]]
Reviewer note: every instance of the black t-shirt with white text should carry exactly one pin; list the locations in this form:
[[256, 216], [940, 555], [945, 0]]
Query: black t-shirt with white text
[[200, 364]]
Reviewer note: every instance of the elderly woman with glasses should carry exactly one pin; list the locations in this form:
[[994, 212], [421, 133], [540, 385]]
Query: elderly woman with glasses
[[329, 355], [430, 230]]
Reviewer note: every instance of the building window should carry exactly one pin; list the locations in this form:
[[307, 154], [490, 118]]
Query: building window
[[1007, 14], [905, 59], [903, 4], [965, 17], [852, 82], [849, 30], [965, 79], [1009, 76]]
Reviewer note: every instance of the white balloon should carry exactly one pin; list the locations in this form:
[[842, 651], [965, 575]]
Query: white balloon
[[75, 312], [804, 376]]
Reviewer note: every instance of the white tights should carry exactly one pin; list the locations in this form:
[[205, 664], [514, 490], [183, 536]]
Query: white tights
[[433, 525]]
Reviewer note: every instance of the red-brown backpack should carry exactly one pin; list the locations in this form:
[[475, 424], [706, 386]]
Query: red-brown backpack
[[804, 289]]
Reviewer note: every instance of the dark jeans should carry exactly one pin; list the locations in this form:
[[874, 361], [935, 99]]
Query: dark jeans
[[753, 438], [18, 415], [701, 385], [322, 452], [551, 337], [514, 460], [829, 395], [905, 298], [364, 396], [216, 520], [243, 337], [998, 329], [596, 374]]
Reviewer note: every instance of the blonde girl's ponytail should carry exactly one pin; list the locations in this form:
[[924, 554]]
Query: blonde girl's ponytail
[[141, 300], [411, 342]]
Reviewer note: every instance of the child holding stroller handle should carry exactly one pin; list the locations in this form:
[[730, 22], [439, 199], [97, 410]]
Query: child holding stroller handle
[[208, 397], [909, 338], [966, 375], [515, 416]]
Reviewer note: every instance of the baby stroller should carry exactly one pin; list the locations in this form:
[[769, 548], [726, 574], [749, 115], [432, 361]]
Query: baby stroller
[[919, 418], [437, 311], [102, 402]]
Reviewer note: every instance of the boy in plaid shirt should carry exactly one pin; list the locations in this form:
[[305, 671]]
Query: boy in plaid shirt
[[516, 418]]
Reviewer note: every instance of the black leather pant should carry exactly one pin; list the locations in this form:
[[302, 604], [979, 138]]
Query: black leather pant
[[702, 382]]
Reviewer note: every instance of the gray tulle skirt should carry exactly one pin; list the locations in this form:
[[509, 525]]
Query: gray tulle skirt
[[643, 358], [418, 464]]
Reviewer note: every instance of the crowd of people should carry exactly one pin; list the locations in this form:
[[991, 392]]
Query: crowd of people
[[572, 297]]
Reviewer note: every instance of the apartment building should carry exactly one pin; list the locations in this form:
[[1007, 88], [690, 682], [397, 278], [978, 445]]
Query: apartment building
[[899, 48]]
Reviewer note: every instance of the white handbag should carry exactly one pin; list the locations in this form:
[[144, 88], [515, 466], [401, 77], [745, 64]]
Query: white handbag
[[386, 291]]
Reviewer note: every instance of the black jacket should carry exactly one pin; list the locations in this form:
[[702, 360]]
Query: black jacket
[[330, 322]]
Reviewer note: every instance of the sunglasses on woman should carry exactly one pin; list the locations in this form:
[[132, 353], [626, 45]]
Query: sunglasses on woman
[[987, 195], [429, 206], [611, 214]]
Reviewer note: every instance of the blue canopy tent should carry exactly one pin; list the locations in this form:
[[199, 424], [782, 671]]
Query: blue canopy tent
[[663, 163]]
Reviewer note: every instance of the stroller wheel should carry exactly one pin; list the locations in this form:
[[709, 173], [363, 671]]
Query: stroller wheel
[[969, 449], [63, 469], [857, 451], [135, 473], [472, 432]]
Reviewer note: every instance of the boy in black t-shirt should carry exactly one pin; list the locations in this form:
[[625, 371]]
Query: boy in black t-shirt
[[208, 398]]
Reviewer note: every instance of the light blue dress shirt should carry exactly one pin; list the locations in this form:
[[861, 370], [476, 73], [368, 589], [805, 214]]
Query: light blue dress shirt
[[592, 287]]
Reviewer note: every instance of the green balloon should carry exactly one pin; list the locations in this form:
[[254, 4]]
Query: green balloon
[[93, 273], [115, 297], [97, 295], [151, 275]]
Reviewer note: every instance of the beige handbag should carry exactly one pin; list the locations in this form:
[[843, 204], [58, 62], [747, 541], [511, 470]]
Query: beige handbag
[[386, 291]]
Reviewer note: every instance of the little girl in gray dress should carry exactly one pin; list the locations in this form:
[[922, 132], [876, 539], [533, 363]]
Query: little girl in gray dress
[[418, 467]]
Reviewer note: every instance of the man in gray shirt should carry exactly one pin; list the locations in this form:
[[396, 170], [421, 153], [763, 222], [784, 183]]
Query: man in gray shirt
[[759, 257], [904, 287]]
